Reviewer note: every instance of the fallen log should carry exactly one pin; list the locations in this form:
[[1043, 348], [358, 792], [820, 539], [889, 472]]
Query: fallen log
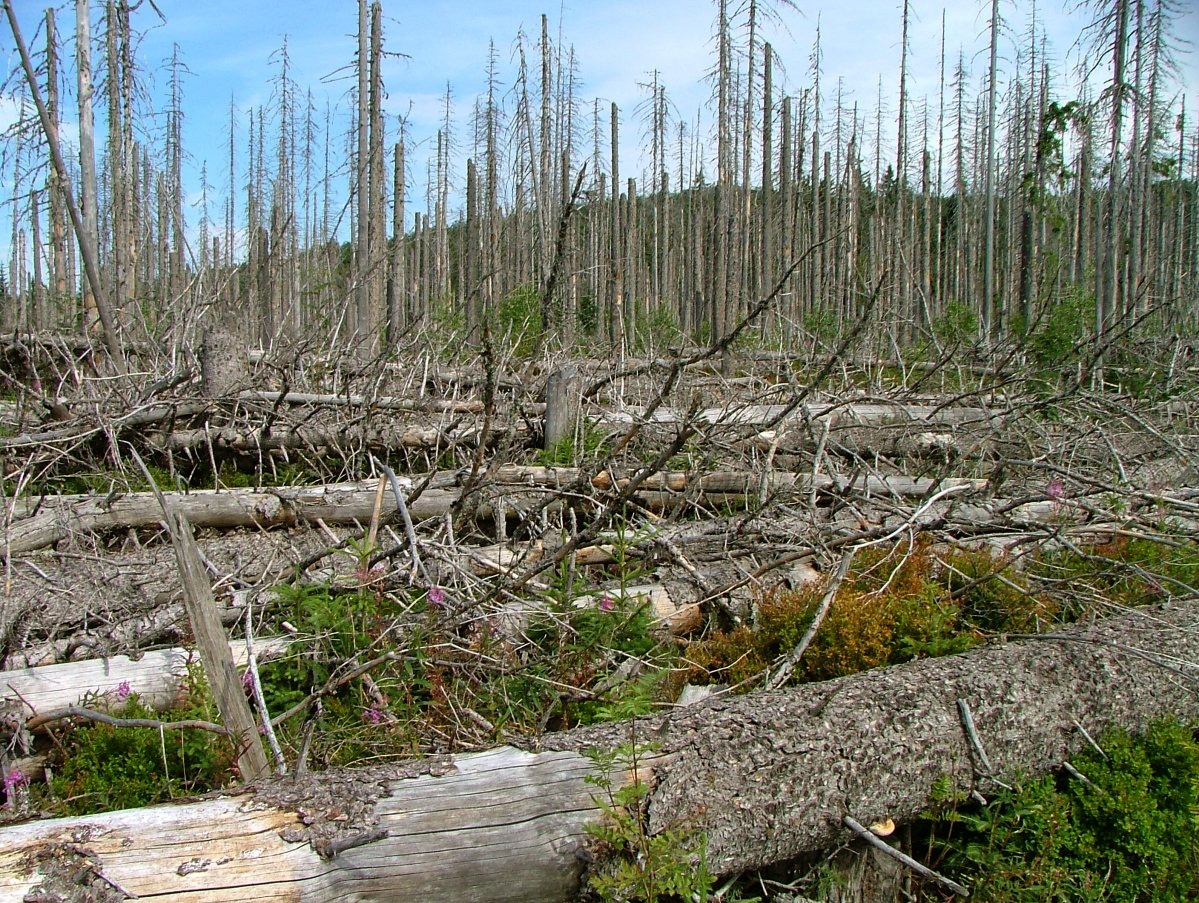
[[42, 522], [50, 520], [114, 426], [60, 517], [763, 778], [159, 678], [333, 438], [840, 414], [381, 402]]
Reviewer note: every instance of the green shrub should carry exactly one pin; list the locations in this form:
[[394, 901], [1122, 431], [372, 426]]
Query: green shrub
[[640, 867], [1065, 325], [104, 768], [957, 324], [1129, 836], [518, 321]]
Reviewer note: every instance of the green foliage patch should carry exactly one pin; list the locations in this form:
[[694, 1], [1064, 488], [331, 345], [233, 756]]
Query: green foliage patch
[[643, 867], [98, 767], [1129, 833]]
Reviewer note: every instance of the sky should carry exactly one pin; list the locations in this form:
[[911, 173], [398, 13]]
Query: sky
[[230, 50]]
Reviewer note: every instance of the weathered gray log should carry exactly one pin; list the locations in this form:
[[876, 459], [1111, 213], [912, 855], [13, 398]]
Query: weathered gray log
[[839, 414], [63, 516], [159, 678], [138, 418], [382, 402], [58, 517], [384, 436], [764, 778], [504, 825], [42, 522]]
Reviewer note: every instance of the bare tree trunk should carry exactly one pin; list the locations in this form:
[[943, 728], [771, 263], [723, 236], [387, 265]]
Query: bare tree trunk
[[58, 226], [397, 300], [470, 252], [766, 264], [545, 182], [987, 320], [616, 301], [899, 248], [37, 307], [377, 198], [361, 324], [1109, 301]]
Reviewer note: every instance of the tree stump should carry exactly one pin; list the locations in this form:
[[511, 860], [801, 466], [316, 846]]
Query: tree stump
[[562, 403]]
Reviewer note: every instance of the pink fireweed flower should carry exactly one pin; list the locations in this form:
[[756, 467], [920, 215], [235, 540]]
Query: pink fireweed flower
[[436, 595], [123, 690], [606, 603], [1056, 490], [372, 715], [15, 783], [15, 778]]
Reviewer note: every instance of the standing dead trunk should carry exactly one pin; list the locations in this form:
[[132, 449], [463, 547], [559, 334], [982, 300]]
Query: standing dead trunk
[[58, 227], [562, 400], [87, 157], [616, 300], [377, 197], [1108, 302], [397, 295], [361, 186], [987, 320]]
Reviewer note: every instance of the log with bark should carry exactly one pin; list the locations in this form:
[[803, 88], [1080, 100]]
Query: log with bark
[[763, 778], [42, 522]]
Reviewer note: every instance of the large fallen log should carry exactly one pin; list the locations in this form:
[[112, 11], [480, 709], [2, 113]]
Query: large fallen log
[[837, 414], [42, 522], [763, 778], [51, 520]]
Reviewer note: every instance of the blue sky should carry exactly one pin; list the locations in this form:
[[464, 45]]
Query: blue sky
[[228, 48]]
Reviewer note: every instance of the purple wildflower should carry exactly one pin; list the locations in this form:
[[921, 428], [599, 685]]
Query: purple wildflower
[[436, 595], [372, 715], [15, 778], [247, 679], [1056, 490], [606, 603], [123, 690]]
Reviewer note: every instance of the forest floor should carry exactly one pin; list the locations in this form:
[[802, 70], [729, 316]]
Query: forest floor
[[406, 567]]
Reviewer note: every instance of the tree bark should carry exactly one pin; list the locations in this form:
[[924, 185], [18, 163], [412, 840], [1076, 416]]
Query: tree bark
[[763, 778], [54, 520]]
